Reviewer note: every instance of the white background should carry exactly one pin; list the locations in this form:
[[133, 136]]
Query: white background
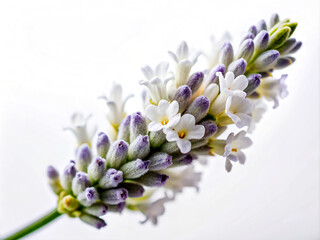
[[56, 57]]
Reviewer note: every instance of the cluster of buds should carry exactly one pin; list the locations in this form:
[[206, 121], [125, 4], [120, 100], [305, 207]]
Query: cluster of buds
[[185, 116]]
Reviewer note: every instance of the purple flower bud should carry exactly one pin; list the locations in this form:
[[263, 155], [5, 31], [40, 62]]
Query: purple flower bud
[[124, 129], [111, 179], [199, 108], [287, 46], [96, 209], [182, 160], [253, 83], [117, 154], [182, 96], [83, 157], [97, 169], [52, 173], [88, 197], [139, 148], [135, 169], [246, 50], [261, 41], [195, 81], [261, 25], [274, 20], [80, 182], [67, 176], [159, 161], [117, 208], [266, 60], [253, 30], [249, 35], [213, 78], [210, 128], [238, 67], [284, 62], [114, 196], [153, 179], [226, 54], [296, 48], [138, 126], [134, 190], [103, 144], [92, 220], [157, 138]]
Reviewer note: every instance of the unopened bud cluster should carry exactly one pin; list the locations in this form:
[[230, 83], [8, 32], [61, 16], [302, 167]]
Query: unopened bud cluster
[[185, 114]]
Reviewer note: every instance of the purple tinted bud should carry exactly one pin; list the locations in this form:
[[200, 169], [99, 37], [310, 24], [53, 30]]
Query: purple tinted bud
[[93, 220], [153, 179], [199, 108], [88, 197], [124, 129], [80, 182], [212, 77], [117, 154], [182, 160], [266, 60], [159, 161], [138, 126], [83, 157], [238, 67], [296, 47], [97, 169], [261, 41], [274, 20], [210, 128], [226, 54], [253, 30], [253, 83], [111, 179], [287, 46], [134, 190], [261, 25], [114, 196], [284, 62], [139, 148], [246, 50], [103, 144], [170, 147], [182, 96], [117, 208], [195, 81], [135, 169], [157, 138], [52, 173], [96, 209], [249, 35], [68, 174]]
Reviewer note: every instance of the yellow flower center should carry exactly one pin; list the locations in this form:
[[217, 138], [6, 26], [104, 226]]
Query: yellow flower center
[[164, 121], [182, 134], [234, 150]]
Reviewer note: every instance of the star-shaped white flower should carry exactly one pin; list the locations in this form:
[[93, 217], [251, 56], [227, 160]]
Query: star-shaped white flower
[[233, 86], [156, 81], [79, 128], [232, 149], [115, 105], [185, 60], [239, 110], [272, 88], [184, 131], [163, 116]]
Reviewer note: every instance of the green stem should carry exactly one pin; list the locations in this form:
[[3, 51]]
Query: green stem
[[35, 225]]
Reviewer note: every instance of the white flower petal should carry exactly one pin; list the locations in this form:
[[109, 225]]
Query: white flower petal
[[184, 145], [240, 83], [196, 132], [241, 157], [163, 106], [173, 121], [147, 72], [173, 109], [245, 120], [154, 126], [171, 135], [152, 112], [228, 165], [162, 69]]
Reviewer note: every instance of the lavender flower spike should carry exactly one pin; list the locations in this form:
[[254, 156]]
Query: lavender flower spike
[[134, 190], [139, 148], [111, 179], [159, 161], [238, 67], [97, 209], [117, 154], [93, 220], [195, 81], [124, 129], [97, 169], [138, 126], [199, 108], [67, 176], [80, 182], [103, 144], [89, 196], [182, 96], [83, 157], [226, 54], [135, 169], [153, 179]]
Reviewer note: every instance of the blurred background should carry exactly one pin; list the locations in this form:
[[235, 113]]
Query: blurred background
[[57, 57]]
